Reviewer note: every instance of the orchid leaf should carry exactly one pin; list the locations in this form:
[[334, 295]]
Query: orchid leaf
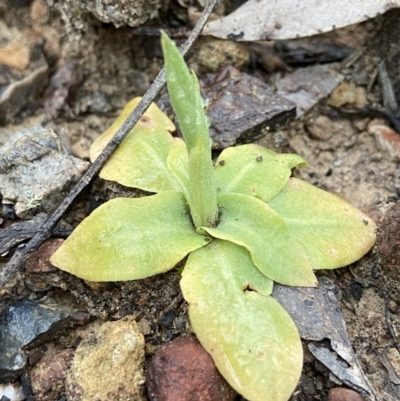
[[332, 232], [203, 205], [177, 162], [253, 170], [129, 239], [141, 160], [184, 94], [251, 223], [251, 338]]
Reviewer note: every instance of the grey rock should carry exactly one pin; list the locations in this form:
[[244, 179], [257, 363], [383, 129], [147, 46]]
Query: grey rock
[[307, 86], [241, 108], [318, 316], [26, 325], [119, 13], [35, 172]]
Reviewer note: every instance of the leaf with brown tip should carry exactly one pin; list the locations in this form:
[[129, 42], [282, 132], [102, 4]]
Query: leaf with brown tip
[[331, 231]]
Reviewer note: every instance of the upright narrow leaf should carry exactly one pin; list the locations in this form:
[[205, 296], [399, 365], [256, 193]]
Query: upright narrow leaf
[[178, 163], [251, 338], [251, 223], [184, 93], [332, 232], [129, 239]]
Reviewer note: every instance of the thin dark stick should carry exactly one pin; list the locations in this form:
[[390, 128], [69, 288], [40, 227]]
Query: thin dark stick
[[17, 261]]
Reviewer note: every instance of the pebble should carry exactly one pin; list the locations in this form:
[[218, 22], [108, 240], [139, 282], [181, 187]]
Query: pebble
[[214, 54], [108, 365], [320, 128], [13, 391], [307, 86], [387, 140], [48, 376], [28, 323], [39, 261], [344, 394], [173, 375], [40, 12], [348, 94], [344, 94]]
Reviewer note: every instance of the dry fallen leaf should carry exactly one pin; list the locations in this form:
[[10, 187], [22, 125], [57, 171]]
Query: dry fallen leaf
[[286, 19]]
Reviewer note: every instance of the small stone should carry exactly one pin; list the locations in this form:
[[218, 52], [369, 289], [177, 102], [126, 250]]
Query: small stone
[[361, 98], [108, 365], [27, 324], [215, 54], [387, 139], [307, 86], [320, 128], [344, 394], [167, 318], [344, 94], [39, 12], [39, 261], [173, 375], [13, 391], [15, 55], [48, 376]]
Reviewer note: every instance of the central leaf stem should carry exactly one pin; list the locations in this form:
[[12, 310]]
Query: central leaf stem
[[184, 94]]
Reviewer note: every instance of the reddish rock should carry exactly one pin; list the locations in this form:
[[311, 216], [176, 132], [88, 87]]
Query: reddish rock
[[39, 262], [48, 376], [387, 140], [182, 370], [344, 394]]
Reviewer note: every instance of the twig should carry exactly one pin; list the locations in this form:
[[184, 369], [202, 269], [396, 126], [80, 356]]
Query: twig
[[16, 263]]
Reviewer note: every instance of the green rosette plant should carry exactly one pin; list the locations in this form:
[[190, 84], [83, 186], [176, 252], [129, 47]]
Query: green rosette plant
[[245, 223]]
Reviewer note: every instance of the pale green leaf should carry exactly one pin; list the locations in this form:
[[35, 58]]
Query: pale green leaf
[[141, 160], [251, 223], [332, 232], [184, 94], [203, 191], [253, 170], [178, 163], [251, 338], [129, 239]]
